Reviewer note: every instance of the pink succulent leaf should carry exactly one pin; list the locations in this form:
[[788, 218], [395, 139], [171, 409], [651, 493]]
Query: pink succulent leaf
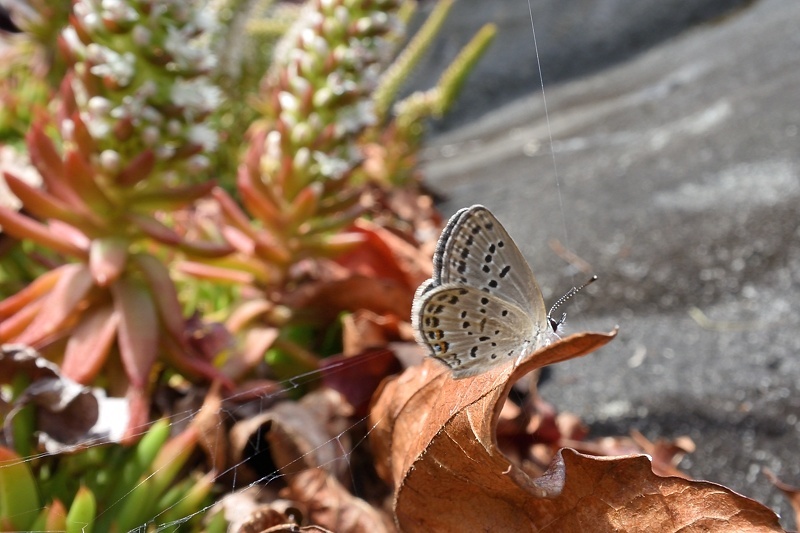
[[35, 290], [23, 227], [60, 305], [82, 179], [90, 343], [138, 170], [138, 333], [171, 198], [107, 259], [48, 162], [165, 296], [44, 205]]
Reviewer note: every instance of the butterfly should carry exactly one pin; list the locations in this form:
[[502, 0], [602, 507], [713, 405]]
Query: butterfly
[[482, 307]]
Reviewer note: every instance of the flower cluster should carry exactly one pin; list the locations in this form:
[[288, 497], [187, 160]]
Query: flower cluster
[[142, 81], [316, 101]]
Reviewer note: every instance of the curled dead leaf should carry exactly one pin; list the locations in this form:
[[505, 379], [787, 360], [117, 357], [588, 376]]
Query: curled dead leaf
[[292, 436], [305, 444], [254, 510], [435, 441], [68, 414], [332, 506]]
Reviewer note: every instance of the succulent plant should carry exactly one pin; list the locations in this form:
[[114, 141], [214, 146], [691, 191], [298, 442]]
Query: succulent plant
[[132, 147]]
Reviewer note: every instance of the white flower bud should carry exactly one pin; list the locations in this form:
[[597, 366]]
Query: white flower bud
[[142, 36], [289, 103], [110, 160]]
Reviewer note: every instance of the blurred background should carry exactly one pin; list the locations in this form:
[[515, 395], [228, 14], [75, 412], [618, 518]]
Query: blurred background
[[672, 174]]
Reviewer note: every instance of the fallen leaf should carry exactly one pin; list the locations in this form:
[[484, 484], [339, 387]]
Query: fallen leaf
[[254, 509], [305, 444], [68, 414], [792, 493], [356, 378], [364, 329], [294, 436], [434, 440], [331, 505], [324, 300]]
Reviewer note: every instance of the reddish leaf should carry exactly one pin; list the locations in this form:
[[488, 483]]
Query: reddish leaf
[[171, 198], [165, 295], [12, 327], [138, 170], [358, 377], [154, 229], [385, 255], [205, 248], [215, 273], [161, 233], [435, 441], [233, 214], [107, 259], [258, 205], [82, 179], [247, 312], [139, 415], [326, 299], [187, 361], [364, 329], [44, 205], [138, 330], [256, 343], [89, 344], [56, 517], [37, 288], [23, 227], [58, 308], [305, 204], [80, 133], [48, 162]]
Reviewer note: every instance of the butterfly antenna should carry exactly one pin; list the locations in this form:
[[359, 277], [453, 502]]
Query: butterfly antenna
[[570, 293]]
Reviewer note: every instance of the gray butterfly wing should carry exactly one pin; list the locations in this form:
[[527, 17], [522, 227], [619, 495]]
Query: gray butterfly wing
[[472, 331], [476, 250]]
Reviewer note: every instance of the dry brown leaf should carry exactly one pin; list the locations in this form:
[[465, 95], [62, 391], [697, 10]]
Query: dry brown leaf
[[332, 506], [68, 414], [296, 436], [306, 441], [267, 519], [792, 493], [255, 509], [211, 428], [364, 329], [356, 378], [435, 442], [325, 300]]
